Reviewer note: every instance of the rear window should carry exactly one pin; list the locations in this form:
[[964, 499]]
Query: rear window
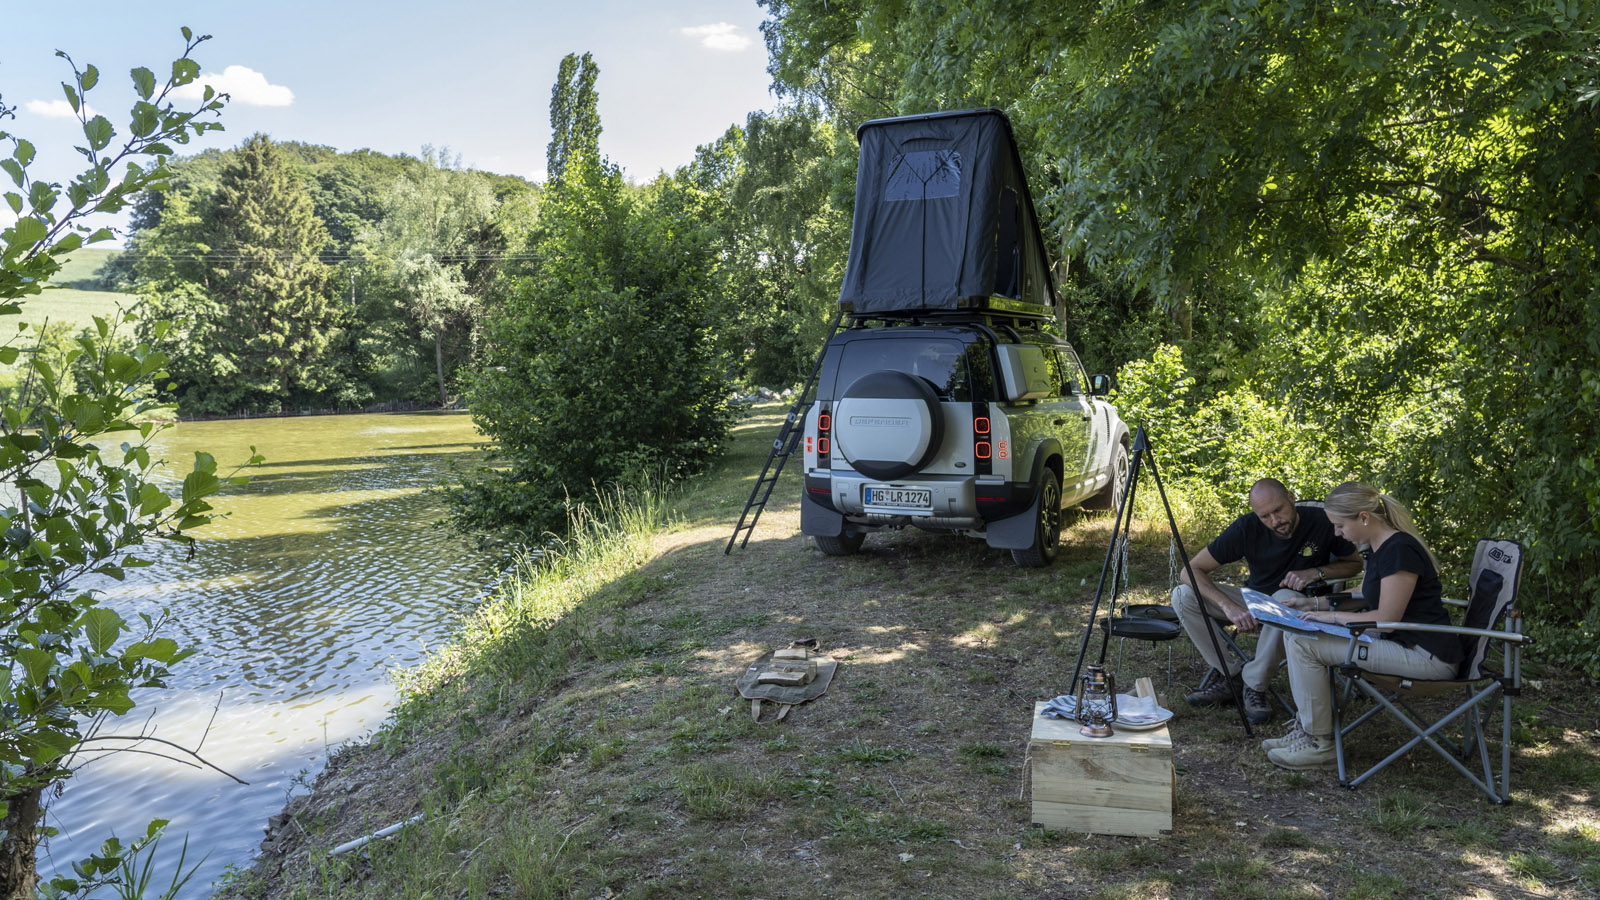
[[924, 175], [957, 371]]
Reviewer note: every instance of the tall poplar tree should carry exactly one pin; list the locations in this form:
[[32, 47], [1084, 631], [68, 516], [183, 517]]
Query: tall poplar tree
[[574, 114], [274, 319]]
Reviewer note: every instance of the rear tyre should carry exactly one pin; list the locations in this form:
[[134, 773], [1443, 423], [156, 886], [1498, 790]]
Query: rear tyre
[[1111, 494], [843, 545], [1046, 527]]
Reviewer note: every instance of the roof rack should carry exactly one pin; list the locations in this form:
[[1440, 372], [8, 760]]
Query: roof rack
[[994, 310]]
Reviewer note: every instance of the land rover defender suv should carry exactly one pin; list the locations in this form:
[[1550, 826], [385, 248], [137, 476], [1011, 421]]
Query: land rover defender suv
[[972, 426]]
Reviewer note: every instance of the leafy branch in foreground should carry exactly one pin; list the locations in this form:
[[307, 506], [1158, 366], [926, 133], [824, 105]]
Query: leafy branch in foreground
[[80, 488]]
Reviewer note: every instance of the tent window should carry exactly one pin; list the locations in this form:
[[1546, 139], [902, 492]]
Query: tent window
[[924, 175], [1008, 249]]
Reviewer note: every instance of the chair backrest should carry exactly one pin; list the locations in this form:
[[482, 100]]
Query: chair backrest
[[1496, 569]]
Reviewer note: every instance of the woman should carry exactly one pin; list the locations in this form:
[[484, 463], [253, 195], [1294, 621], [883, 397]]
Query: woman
[[1401, 584]]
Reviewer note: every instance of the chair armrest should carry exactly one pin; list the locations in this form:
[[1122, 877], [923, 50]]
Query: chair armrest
[[1451, 601], [1514, 637]]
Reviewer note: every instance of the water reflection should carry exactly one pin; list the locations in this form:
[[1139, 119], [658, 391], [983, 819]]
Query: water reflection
[[329, 571]]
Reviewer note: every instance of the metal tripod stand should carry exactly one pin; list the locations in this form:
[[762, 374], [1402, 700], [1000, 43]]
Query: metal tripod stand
[[1143, 453]]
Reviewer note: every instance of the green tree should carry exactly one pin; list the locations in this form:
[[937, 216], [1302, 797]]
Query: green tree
[[78, 504], [270, 282], [438, 249], [574, 115], [603, 365], [246, 279]]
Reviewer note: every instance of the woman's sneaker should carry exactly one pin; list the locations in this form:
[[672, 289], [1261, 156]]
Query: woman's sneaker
[[1289, 737], [1305, 752]]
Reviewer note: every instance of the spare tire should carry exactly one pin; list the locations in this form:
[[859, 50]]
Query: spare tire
[[888, 424]]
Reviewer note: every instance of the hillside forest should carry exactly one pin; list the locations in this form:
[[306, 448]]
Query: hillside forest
[[1316, 242]]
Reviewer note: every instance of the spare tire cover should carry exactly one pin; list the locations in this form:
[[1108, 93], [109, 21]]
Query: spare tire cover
[[888, 424]]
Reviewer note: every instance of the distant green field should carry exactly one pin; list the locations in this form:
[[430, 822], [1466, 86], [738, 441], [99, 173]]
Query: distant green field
[[83, 265], [67, 305]]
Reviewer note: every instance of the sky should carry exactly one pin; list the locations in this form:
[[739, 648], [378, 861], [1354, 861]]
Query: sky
[[470, 75]]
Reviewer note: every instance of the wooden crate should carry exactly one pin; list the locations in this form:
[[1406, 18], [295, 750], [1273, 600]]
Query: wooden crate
[[1123, 784]]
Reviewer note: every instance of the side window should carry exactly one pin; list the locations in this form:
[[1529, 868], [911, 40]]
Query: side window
[[1070, 362], [980, 370], [1064, 365], [1053, 363]]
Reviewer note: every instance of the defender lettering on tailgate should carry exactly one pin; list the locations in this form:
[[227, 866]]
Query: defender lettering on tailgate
[[880, 422]]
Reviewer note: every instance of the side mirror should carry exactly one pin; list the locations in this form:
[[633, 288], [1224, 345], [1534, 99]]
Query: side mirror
[[1101, 385]]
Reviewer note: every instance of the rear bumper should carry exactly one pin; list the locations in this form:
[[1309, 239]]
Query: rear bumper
[[954, 496]]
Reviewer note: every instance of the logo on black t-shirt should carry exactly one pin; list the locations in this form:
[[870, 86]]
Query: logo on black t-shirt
[[1309, 550]]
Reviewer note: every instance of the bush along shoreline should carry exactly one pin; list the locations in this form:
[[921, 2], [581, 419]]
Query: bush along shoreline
[[582, 738]]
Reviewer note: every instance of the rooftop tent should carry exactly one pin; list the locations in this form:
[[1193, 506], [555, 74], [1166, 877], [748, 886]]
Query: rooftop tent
[[944, 219]]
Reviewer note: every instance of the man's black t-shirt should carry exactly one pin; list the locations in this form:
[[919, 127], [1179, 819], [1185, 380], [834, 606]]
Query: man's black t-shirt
[[1404, 553], [1269, 557]]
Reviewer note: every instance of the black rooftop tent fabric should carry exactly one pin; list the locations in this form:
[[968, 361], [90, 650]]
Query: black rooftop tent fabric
[[943, 217]]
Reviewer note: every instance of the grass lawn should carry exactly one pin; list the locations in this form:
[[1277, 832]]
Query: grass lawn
[[583, 739]]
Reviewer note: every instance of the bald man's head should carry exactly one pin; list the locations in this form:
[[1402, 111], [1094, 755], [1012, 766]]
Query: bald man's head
[[1273, 504]]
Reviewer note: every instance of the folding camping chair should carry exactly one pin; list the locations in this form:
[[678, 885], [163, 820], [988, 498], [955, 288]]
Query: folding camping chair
[[1495, 570]]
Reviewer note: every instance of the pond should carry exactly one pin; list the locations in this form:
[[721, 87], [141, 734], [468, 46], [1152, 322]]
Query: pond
[[330, 570]]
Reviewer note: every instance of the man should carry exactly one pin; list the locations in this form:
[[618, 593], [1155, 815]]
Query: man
[[1287, 545]]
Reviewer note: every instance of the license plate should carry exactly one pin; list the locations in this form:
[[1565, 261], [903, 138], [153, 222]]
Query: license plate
[[897, 498]]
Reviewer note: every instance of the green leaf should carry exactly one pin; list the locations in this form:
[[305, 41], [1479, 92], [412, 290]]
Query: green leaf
[[72, 95], [144, 82], [162, 650], [23, 152], [44, 747], [29, 230], [104, 234], [114, 700], [14, 200], [42, 196], [152, 500], [144, 119], [187, 34], [102, 626], [36, 664], [99, 132], [184, 71], [90, 77], [14, 169], [205, 462], [198, 485]]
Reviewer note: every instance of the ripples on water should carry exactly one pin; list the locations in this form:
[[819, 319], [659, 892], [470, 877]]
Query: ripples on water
[[329, 572]]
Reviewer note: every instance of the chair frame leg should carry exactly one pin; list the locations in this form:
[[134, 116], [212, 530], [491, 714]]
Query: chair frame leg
[[1498, 793]]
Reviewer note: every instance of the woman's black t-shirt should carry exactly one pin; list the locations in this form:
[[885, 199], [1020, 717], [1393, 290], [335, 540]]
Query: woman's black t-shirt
[[1404, 553]]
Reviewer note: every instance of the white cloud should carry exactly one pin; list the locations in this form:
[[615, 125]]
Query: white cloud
[[55, 109], [720, 36], [243, 85]]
